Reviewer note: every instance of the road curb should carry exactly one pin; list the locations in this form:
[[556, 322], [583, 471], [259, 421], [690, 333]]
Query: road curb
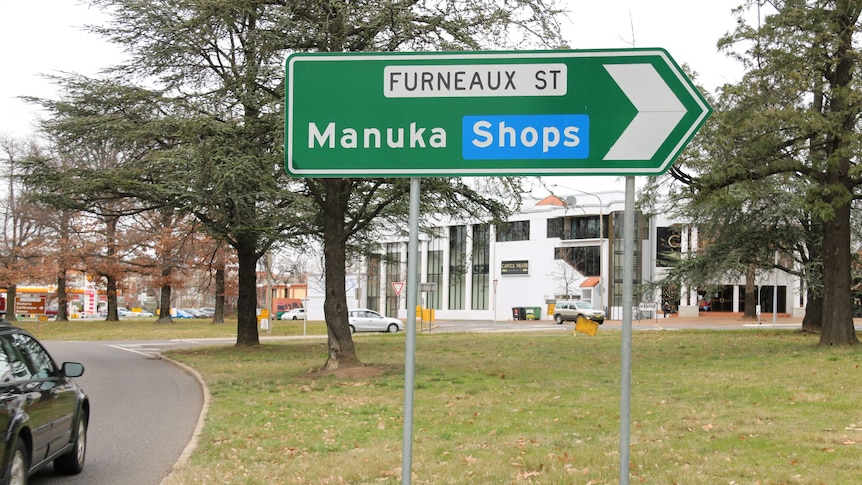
[[185, 456]]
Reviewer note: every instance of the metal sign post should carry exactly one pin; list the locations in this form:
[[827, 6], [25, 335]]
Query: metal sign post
[[626, 359], [410, 357]]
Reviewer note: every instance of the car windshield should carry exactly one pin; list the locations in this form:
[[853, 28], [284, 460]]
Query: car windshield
[[582, 305]]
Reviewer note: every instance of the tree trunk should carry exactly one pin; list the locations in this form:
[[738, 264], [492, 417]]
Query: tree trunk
[[165, 305], [342, 352], [218, 314], [165, 297], [62, 295], [111, 236], [837, 302], [246, 305], [11, 293], [62, 298], [837, 305], [812, 322], [113, 316], [750, 294]]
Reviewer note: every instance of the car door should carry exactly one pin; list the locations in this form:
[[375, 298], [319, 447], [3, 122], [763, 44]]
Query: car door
[[374, 321], [364, 321], [58, 397], [357, 319], [26, 399], [10, 397]]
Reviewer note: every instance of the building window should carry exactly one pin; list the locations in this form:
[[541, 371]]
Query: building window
[[393, 273], [480, 266], [457, 267], [668, 245], [586, 260], [435, 275], [616, 296], [555, 228], [514, 231], [585, 227], [372, 299]]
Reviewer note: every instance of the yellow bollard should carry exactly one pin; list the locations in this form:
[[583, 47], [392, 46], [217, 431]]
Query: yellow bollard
[[587, 326]]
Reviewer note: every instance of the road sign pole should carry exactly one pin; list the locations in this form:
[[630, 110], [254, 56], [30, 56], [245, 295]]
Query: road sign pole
[[626, 364], [410, 357]]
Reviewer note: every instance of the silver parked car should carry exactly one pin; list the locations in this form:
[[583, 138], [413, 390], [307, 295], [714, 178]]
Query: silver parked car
[[365, 320], [572, 309]]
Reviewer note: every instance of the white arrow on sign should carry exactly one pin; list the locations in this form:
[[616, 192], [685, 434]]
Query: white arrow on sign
[[659, 111]]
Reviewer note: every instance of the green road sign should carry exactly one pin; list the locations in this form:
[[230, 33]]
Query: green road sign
[[591, 112]]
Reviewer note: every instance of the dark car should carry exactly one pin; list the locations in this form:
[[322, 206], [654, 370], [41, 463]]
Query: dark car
[[43, 413]]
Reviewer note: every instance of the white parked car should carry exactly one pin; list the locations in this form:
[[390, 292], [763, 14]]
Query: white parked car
[[125, 312], [365, 320], [295, 314], [571, 310]]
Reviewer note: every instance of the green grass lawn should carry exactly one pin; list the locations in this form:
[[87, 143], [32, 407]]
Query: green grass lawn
[[734, 407]]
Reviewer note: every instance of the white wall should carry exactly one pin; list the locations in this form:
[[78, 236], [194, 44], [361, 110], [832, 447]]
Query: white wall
[[317, 295]]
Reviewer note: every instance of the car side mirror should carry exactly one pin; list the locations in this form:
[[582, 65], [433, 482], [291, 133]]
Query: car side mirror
[[73, 369]]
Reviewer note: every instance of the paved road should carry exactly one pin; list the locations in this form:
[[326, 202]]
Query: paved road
[[143, 413]]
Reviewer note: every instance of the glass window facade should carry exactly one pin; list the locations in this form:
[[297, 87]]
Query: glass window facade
[[581, 227], [435, 275], [393, 273], [556, 228], [514, 231], [616, 295], [586, 260], [585, 227], [480, 252], [372, 293], [668, 244], [457, 267]]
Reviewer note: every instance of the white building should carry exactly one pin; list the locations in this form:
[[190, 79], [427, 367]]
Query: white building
[[569, 247]]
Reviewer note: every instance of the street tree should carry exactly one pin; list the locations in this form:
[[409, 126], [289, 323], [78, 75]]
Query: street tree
[[86, 177], [348, 207], [167, 243], [566, 278], [783, 149], [739, 226], [217, 69], [23, 225], [201, 132], [803, 75]]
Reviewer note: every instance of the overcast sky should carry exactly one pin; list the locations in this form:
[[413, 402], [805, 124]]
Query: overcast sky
[[46, 37]]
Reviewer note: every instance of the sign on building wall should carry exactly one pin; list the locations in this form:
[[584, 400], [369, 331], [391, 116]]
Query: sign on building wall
[[514, 267]]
